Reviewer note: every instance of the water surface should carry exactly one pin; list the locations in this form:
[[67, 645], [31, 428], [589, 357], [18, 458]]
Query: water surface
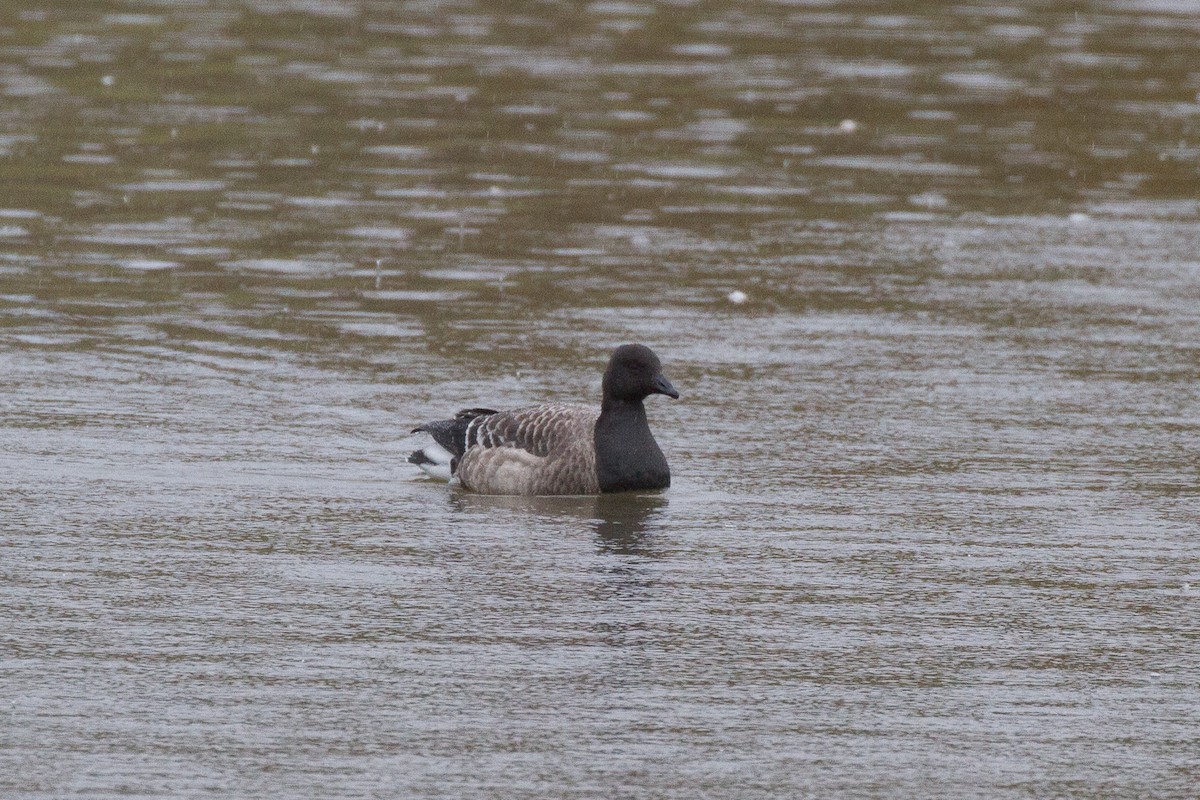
[[932, 531]]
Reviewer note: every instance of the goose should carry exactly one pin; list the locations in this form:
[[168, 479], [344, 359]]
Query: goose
[[558, 448]]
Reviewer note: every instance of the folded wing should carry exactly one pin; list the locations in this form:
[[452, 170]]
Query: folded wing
[[546, 449]]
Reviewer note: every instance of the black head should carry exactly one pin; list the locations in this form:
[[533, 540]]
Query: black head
[[633, 373]]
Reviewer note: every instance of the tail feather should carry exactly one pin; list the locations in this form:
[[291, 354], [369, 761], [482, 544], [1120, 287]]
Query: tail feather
[[451, 434], [435, 461], [440, 460]]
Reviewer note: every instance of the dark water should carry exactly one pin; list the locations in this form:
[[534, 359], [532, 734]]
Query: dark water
[[933, 531]]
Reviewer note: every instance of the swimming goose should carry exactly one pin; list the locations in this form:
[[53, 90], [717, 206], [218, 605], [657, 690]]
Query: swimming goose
[[557, 448]]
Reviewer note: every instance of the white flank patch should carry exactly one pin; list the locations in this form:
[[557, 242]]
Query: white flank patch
[[441, 458]]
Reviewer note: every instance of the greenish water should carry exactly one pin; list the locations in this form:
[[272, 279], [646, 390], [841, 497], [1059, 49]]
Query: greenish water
[[932, 531]]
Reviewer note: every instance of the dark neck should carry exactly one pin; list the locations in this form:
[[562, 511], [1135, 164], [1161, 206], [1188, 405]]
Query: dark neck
[[610, 407], [627, 457]]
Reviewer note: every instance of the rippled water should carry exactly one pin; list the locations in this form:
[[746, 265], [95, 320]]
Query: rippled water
[[933, 525]]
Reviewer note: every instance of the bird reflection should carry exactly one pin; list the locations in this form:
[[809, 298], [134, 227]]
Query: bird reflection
[[624, 523]]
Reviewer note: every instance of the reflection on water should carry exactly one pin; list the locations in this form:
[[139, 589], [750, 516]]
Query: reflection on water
[[927, 271], [624, 524]]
